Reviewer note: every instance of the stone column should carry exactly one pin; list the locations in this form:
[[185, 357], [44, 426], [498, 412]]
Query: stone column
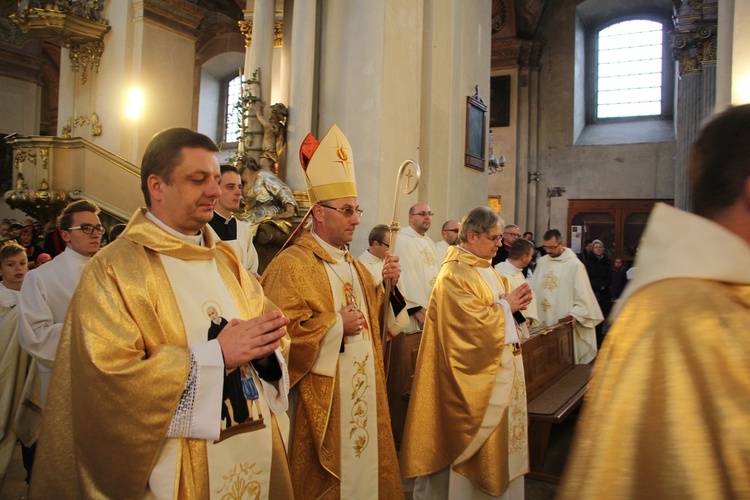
[[302, 77], [260, 51], [693, 44]]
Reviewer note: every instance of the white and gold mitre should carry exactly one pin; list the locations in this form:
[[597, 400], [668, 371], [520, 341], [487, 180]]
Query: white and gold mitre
[[328, 166]]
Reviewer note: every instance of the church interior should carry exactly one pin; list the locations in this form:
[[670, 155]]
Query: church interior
[[500, 102]]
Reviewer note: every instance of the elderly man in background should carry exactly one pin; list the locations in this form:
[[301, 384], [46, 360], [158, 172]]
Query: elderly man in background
[[466, 427]]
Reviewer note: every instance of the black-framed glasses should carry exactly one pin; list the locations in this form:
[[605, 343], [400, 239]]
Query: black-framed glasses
[[451, 230], [551, 247], [517, 235], [383, 243], [346, 212], [88, 229], [423, 214], [494, 239]]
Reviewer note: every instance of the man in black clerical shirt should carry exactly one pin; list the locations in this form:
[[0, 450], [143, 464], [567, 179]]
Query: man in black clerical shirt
[[235, 232]]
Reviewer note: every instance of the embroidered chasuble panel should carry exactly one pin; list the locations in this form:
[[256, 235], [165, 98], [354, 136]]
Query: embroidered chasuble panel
[[240, 460]]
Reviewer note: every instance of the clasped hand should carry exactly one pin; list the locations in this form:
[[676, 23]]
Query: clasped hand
[[519, 299], [245, 341]]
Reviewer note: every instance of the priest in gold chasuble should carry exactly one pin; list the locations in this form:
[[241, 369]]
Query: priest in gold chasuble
[[466, 427], [667, 412], [341, 445], [161, 338]]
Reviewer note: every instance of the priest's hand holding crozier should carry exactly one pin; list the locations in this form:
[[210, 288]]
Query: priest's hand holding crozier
[[519, 299], [391, 269], [254, 339]]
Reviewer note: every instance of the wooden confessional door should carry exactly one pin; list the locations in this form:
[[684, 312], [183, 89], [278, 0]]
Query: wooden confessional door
[[619, 224]]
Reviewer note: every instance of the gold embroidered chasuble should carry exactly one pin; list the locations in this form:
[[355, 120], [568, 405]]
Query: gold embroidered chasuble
[[461, 353], [121, 371], [667, 411], [297, 281]]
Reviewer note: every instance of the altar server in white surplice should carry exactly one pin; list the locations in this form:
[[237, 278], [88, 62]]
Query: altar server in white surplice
[[171, 356], [47, 289]]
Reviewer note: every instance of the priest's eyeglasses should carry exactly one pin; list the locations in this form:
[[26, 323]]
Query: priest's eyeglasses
[[88, 228], [494, 239], [346, 212]]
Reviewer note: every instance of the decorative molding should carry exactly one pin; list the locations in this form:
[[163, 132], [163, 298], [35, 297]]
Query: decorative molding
[[693, 41], [85, 55], [246, 27], [499, 15], [179, 16], [516, 53]]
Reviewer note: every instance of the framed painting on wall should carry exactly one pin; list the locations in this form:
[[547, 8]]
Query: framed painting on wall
[[476, 124]]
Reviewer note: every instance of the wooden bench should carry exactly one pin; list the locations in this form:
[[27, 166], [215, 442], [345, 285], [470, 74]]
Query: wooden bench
[[555, 387]]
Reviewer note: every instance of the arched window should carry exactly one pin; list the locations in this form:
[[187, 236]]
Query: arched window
[[232, 114], [629, 75]]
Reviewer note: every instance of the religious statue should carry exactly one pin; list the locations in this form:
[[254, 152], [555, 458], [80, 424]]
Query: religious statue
[[269, 207], [273, 121], [266, 196]]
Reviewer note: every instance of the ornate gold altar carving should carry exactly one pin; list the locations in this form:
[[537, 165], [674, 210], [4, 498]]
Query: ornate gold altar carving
[[76, 25], [43, 202]]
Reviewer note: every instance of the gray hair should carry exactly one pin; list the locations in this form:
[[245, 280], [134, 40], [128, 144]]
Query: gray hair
[[479, 220]]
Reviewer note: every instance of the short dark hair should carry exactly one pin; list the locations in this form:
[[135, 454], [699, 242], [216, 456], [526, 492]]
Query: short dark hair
[[66, 217], [528, 233], [479, 220], [519, 248], [10, 249], [377, 233], [164, 152], [719, 161], [228, 168], [552, 233]]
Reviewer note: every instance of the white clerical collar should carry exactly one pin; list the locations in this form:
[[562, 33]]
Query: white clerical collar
[[227, 220], [193, 240], [368, 251], [511, 266], [334, 252]]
